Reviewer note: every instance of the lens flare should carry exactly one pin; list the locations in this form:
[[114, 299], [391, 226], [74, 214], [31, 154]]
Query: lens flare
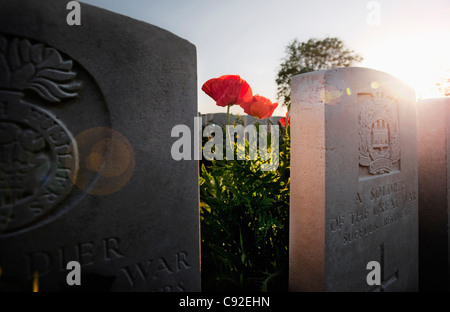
[[106, 158], [36, 281], [330, 96]]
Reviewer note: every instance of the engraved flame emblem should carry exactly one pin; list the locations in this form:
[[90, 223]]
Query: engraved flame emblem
[[36, 67]]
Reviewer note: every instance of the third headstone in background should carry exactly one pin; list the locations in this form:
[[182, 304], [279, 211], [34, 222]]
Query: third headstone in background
[[354, 182], [433, 131]]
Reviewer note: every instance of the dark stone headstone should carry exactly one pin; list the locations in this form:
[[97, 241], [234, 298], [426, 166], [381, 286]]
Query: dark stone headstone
[[86, 172]]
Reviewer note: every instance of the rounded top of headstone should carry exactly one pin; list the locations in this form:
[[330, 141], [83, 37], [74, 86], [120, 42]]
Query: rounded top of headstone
[[436, 100], [47, 20], [335, 85]]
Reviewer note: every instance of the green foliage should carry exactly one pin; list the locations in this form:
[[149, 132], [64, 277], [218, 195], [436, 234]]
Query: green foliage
[[303, 57], [244, 223]]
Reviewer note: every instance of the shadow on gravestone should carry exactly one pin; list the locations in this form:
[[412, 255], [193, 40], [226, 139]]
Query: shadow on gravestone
[[433, 131], [86, 114]]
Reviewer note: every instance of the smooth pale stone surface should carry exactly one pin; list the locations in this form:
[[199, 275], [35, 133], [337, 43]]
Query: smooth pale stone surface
[[433, 131], [99, 185], [353, 181]]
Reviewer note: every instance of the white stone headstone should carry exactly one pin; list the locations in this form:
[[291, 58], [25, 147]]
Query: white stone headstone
[[353, 182]]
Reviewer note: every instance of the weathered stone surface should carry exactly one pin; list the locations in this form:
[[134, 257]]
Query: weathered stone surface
[[86, 114], [353, 181], [433, 131]]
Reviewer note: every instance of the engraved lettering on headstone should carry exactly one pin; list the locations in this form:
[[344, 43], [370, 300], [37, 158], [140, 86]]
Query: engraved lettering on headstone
[[137, 273], [85, 252], [182, 261], [111, 248], [153, 270], [385, 205], [39, 261]]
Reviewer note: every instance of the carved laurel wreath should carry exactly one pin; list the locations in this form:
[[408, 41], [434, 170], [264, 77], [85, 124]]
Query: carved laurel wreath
[[38, 68]]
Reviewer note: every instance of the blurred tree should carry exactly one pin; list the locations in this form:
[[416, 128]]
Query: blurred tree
[[303, 57], [443, 86]]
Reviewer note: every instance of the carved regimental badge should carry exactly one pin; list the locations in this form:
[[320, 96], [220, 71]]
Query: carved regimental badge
[[37, 155], [379, 147]]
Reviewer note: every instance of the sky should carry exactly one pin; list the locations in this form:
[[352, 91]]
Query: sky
[[409, 39]]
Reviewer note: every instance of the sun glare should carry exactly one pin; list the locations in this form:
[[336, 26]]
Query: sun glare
[[419, 61]]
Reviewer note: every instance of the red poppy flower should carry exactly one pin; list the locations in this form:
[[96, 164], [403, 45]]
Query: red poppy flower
[[228, 90], [260, 107], [283, 120]]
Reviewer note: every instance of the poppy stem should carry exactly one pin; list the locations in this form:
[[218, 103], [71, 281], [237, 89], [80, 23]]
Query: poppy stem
[[228, 113]]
